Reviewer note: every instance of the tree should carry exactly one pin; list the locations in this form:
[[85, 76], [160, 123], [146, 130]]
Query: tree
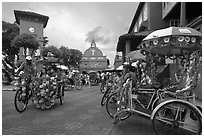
[[26, 41], [9, 32], [75, 57], [65, 55], [45, 41], [53, 49], [70, 57]]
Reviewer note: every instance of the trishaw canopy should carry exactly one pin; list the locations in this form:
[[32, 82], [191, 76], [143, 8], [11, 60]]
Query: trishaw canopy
[[172, 41]]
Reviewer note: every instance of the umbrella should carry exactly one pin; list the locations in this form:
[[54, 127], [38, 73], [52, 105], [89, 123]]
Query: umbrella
[[120, 67], [62, 67], [92, 71], [172, 41], [134, 64], [134, 55]]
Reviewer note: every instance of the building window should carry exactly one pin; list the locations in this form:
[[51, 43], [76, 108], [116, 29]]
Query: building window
[[163, 5], [198, 29], [174, 23], [140, 19], [93, 58], [100, 57], [136, 27], [145, 12]]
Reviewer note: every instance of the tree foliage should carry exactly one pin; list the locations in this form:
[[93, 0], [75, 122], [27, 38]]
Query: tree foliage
[[45, 41], [53, 49], [26, 41], [65, 55], [75, 57], [9, 32], [70, 57]]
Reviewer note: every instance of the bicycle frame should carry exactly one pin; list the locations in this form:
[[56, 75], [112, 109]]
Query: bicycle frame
[[133, 107]]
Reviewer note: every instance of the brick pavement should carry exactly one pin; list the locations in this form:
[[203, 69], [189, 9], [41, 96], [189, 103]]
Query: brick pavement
[[81, 114]]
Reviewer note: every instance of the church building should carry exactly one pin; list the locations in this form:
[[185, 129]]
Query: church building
[[93, 59]]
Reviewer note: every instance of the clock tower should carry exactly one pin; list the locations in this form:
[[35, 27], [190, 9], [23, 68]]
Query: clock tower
[[31, 23]]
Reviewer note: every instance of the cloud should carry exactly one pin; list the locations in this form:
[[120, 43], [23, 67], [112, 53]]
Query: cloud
[[100, 35], [76, 24]]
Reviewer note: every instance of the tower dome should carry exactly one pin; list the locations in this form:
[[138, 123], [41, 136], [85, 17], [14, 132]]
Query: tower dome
[[93, 50], [93, 59]]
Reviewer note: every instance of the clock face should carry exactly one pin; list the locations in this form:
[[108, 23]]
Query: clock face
[[32, 30]]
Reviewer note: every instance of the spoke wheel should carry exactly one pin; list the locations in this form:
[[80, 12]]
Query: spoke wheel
[[61, 95], [177, 118], [20, 101], [111, 107], [105, 96], [78, 85], [102, 88]]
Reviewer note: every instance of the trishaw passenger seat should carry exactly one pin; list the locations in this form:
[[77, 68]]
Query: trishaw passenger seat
[[157, 86]]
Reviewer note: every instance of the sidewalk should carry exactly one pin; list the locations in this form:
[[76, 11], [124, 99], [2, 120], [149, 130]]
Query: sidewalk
[[8, 88]]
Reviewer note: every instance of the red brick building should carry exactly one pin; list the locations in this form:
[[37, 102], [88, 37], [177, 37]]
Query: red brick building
[[93, 59]]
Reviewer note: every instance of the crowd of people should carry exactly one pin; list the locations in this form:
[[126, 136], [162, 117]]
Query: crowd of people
[[138, 73]]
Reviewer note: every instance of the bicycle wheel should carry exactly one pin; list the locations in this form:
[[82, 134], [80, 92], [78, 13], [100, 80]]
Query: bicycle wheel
[[20, 101], [102, 88], [111, 107], [61, 95], [105, 96], [78, 85], [66, 86], [177, 118]]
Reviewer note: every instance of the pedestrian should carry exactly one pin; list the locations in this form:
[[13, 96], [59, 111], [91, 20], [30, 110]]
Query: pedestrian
[[43, 72], [83, 79], [88, 80]]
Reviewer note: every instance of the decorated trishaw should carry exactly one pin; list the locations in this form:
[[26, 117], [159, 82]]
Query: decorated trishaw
[[42, 89], [173, 109], [110, 85]]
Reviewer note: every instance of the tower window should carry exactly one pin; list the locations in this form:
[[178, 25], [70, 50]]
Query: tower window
[[174, 23]]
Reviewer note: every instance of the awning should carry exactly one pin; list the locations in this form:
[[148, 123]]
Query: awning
[[135, 55], [135, 39]]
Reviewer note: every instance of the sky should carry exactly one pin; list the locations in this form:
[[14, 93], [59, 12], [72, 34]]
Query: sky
[[74, 25]]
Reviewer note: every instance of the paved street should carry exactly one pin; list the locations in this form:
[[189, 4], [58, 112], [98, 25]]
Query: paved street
[[81, 114]]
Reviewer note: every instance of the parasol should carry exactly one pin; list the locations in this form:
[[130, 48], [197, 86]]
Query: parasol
[[120, 67], [92, 71], [63, 67], [172, 41], [135, 64]]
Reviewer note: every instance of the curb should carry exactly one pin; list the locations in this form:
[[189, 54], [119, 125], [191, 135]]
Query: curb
[[8, 89]]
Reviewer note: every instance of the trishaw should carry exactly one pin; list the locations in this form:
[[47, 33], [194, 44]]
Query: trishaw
[[77, 83], [93, 77], [171, 111], [43, 91], [109, 87]]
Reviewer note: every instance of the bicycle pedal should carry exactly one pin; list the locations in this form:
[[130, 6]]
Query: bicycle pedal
[[116, 120]]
